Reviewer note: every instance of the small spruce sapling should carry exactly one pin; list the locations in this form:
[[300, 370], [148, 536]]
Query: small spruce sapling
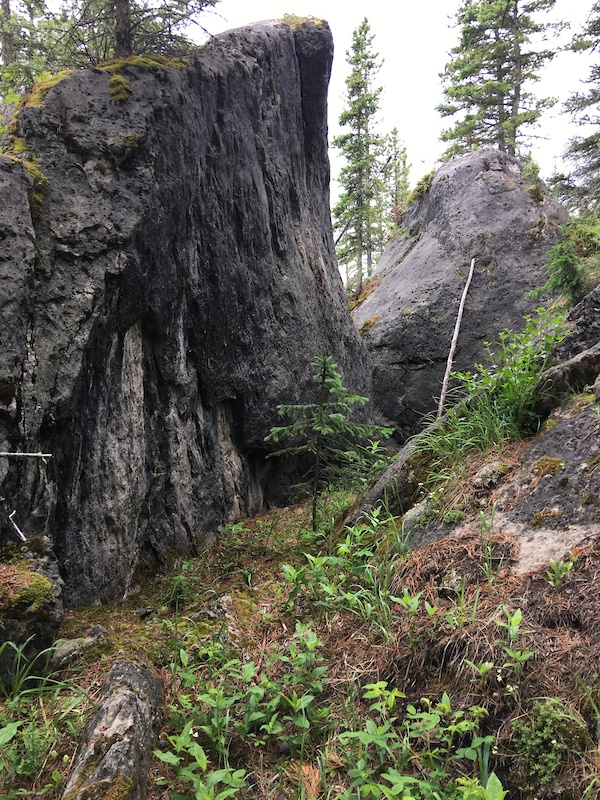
[[324, 431]]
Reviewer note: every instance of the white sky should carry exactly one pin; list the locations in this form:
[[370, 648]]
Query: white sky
[[414, 39]]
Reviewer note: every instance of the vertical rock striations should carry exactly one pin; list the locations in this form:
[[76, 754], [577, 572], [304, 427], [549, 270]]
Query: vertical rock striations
[[179, 281]]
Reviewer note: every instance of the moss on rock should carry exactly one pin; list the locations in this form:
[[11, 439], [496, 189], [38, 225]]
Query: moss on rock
[[22, 590], [149, 63], [117, 788], [547, 466], [35, 98], [120, 89], [294, 21]]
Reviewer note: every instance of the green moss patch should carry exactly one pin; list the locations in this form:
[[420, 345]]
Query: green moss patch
[[36, 96], [150, 63], [294, 21], [421, 188], [117, 788], [37, 193], [547, 466], [23, 591], [540, 518], [368, 324], [120, 89]]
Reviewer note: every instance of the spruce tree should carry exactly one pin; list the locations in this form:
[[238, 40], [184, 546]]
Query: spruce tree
[[581, 189], [395, 186], [486, 80], [25, 41], [35, 40], [357, 215], [98, 30], [324, 431]]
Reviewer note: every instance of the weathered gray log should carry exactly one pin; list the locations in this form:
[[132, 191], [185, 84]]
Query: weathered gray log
[[115, 757], [397, 487]]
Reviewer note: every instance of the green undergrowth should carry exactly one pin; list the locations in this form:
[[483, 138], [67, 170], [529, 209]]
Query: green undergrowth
[[325, 658], [573, 266], [293, 20], [42, 715], [340, 664], [495, 403], [37, 95]]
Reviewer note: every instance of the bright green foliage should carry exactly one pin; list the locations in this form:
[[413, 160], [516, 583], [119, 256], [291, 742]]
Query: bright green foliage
[[99, 30], [573, 266], [324, 431], [485, 81], [499, 399], [565, 273], [357, 216], [432, 735], [190, 765], [27, 39], [544, 738], [35, 40], [222, 698], [37, 708], [358, 578], [557, 573]]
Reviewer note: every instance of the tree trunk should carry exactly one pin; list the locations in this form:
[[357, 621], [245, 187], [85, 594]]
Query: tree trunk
[[501, 111], [517, 83], [359, 268], [123, 43], [6, 37]]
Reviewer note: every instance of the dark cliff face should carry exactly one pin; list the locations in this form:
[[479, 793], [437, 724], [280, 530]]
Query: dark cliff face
[[177, 285], [478, 206]]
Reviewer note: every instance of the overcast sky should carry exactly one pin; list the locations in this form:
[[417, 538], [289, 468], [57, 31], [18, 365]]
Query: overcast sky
[[413, 40]]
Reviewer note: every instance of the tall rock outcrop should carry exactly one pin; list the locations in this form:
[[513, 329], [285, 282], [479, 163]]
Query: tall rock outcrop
[[173, 284], [479, 206]]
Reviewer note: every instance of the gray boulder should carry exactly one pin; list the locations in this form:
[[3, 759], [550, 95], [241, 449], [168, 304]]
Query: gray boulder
[[479, 206], [171, 287]]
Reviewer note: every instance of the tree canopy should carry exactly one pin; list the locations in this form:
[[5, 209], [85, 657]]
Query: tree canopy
[[356, 214], [486, 80], [581, 189], [35, 40]]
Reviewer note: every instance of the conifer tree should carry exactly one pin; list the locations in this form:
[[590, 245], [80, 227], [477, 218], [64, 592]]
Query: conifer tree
[[24, 44], [34, 40], [357, 214], [581, 189], [324, 431], [486, 80], [395, 186], [98, 30]]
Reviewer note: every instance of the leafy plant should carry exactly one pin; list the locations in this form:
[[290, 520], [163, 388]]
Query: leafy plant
[[565, 273], [498, 400], [39, 708], [512, 624], [545, 736], [324, 431], [486, 530], [557, 572], [191, 766]]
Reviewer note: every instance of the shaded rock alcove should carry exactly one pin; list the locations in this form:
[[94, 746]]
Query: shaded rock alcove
[[166, 282]]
